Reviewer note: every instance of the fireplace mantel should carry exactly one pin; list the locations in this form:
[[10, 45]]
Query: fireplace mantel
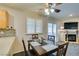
[[69, 31]]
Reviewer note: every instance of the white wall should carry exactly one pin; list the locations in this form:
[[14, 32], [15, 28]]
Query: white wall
[[61, 35], [17, 19]]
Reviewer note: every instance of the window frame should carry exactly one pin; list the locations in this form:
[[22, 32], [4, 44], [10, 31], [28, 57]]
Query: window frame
[[35, 26]]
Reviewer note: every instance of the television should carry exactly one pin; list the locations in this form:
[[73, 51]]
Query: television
[[71, 25]]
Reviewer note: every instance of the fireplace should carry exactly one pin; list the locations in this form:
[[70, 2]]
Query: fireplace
[[70, 37]]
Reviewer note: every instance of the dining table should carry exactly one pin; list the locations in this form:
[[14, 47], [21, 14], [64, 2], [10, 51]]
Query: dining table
[[44, 48]]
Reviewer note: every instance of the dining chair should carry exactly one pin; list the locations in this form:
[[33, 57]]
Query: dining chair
[[51, 38], [29, 52], [25, 51], [34, 36], [61, 50]]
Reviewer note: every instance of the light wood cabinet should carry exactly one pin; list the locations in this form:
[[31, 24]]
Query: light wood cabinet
[[3, 19]]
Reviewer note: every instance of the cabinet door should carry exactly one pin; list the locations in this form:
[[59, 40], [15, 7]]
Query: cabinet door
[[3, 19]]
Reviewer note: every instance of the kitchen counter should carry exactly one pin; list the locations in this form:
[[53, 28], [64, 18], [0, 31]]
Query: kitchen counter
[[5, 45]]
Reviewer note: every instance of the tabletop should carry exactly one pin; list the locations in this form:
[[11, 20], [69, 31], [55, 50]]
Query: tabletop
[[43, 49]]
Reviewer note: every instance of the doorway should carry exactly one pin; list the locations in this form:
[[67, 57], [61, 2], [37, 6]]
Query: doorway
[[52, 30]]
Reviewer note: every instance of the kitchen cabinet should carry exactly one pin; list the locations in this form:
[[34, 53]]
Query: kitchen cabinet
[[3, 19]]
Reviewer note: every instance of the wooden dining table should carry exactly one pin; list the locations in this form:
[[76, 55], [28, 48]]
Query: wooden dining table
[[43, 50]]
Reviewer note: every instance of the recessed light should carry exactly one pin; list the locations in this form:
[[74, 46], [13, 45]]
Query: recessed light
[[70, 15]]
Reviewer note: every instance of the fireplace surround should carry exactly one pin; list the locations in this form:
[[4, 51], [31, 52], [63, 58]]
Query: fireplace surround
[[70, 37]]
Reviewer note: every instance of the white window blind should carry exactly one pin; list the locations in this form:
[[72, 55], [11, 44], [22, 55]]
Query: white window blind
[[34, 26], [30, 26], [38, 26]]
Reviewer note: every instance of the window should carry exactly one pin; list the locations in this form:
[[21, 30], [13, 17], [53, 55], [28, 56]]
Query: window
[[34, 26], [38, 26], [30, 25], [51, 29]]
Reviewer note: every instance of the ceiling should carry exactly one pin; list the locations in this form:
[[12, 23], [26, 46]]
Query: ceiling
[[66, 8]]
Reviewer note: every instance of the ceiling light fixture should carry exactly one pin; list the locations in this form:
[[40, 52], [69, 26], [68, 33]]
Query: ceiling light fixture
[[53, 5], [46, 11], [50, 8]]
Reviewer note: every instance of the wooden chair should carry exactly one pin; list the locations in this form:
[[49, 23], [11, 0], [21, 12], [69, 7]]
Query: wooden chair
[[62, 49], [51, 38], [34, 36], [29, 52], [25, 51]]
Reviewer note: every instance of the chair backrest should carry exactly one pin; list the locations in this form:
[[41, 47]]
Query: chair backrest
[[62, 49], [25, 51], [34, 36], [51, 38]]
